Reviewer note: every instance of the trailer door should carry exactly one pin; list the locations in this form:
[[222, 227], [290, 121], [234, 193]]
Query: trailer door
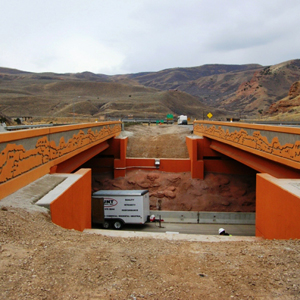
[[97, 210]]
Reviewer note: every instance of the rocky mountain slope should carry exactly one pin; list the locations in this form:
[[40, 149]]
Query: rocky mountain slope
[[225, 90], [266, 87], [246, 90], [289, 105], [87, 95]]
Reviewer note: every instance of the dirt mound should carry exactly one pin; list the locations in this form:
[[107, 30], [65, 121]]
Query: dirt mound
[[40, 260], [158, 141]]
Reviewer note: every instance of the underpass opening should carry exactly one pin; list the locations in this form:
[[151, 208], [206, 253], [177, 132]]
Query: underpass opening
[[228, 186]]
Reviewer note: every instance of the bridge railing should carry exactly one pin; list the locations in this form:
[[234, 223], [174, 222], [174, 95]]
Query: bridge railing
[[277, 143]]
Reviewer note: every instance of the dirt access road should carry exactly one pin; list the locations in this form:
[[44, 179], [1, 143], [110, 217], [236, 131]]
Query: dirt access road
[[39, 260]]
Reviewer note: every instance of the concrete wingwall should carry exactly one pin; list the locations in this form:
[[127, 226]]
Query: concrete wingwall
[[72, 208], [277, 207]]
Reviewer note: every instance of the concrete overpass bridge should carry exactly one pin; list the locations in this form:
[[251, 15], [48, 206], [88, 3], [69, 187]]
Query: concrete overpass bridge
[[271, 153]]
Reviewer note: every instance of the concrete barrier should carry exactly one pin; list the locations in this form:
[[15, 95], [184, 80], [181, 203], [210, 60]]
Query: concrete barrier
[[69, 180], [204, 217]]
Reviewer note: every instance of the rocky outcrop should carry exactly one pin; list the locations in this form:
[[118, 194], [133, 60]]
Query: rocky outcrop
[[294, 90], [288, 104]]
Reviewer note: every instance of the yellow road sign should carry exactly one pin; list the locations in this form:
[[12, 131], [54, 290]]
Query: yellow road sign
[[209, 115]]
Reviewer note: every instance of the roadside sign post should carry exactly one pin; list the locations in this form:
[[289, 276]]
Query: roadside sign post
[[170, 118]]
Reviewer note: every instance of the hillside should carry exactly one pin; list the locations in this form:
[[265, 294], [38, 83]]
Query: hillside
[[208, 83], [288, 107], [266, 87], [174, 78], [245, 91], [57, 96]]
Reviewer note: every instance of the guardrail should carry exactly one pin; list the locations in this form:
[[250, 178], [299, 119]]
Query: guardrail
[[20, 127], [205, 217]]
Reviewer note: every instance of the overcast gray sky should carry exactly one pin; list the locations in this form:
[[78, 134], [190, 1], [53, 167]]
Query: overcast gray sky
[[129, 36]]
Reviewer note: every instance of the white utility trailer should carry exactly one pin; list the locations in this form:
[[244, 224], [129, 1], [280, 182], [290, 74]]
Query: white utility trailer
[[119, 207]]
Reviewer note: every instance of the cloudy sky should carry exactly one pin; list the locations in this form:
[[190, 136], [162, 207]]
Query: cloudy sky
[[129, 36]]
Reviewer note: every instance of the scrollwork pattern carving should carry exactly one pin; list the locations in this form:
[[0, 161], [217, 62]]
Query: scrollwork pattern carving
[[15, 160], [255, 141]]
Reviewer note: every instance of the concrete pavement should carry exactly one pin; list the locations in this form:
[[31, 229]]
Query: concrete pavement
[[205, 229], [182, 232]]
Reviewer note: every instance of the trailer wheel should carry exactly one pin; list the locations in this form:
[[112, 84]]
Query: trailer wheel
[[106, 225], [118, 225]]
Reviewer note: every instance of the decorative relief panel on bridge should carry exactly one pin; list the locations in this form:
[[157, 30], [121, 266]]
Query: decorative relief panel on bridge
[[254, 140], [16, 160]]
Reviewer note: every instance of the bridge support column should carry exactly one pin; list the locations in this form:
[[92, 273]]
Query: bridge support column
[[195, 146], [120, 164]]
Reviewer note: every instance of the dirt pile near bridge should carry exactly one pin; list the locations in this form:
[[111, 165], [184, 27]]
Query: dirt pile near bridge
[[157, 141], [40, 260]]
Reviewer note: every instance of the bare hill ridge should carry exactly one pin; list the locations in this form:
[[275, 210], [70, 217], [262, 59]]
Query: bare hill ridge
[[224, 90], [241, 89], [56, 96]]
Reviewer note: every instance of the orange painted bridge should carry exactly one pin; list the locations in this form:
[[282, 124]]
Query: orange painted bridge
[[271, 153]]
